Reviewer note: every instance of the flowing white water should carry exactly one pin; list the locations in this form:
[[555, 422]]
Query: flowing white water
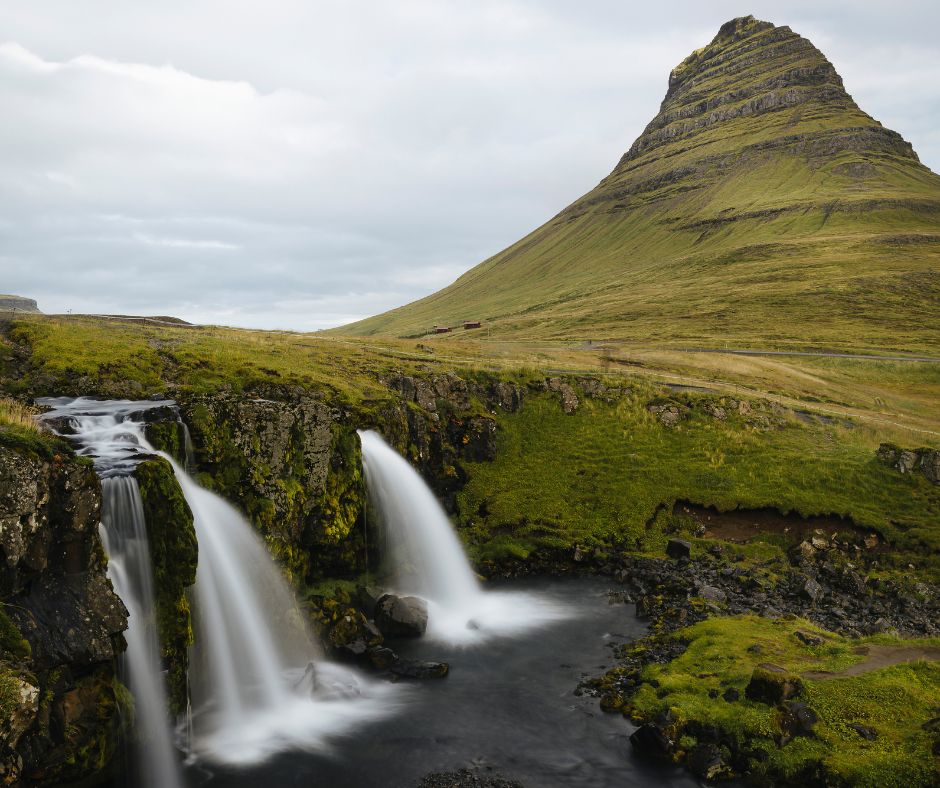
[[426, 559], [257, 681], [114, 444]]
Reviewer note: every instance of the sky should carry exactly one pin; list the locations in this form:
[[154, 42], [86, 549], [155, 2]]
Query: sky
[[300, 164]]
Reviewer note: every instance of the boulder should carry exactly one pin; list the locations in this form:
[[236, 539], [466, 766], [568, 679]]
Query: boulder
[[810, 590], [569, 400], [668, 413], [772, 684], [865, 731], [797, 719], [678, 548], [401, 616], [649, 741], [732, 694]]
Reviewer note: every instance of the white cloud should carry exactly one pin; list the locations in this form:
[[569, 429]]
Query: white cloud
[[297, 164]]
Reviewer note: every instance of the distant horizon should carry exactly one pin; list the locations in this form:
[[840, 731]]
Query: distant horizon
[[300, 169]]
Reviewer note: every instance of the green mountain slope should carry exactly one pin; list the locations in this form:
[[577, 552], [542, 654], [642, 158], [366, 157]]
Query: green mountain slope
[[761, 206]]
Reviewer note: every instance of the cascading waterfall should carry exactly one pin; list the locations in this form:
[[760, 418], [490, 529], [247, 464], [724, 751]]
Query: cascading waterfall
[[258, 683], [425, 558], [124, 535], [115, 444]]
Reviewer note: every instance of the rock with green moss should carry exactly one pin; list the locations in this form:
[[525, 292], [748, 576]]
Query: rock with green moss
[[61, 707], [174, 556], [272, 459], [772, 684]]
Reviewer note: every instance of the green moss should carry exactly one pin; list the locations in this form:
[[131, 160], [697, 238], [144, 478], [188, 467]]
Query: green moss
[[9, 692], [174, 554], [336, 535], [724, 653], [12, 642], [168, 436], [611, 472]]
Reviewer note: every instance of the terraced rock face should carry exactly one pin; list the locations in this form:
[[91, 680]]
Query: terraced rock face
[[761, 206]]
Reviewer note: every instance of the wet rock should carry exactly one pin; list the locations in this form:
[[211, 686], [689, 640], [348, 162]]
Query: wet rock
[[678, 548], [419, 669], [772, 684], [382, 658], [398, 616], [706, 761], [649, 741]]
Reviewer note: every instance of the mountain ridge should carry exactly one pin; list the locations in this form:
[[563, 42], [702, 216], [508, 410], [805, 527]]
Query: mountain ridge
[[760, 191]]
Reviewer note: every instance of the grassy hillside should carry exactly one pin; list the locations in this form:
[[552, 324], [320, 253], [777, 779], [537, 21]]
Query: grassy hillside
[[761, 207]]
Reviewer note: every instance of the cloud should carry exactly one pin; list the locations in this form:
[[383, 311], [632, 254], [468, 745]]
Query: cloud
[[297, 165]]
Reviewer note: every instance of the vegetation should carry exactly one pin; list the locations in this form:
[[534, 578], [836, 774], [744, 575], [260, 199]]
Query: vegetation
[[601, 475], [722, 654], [20, 431], [786, 218]]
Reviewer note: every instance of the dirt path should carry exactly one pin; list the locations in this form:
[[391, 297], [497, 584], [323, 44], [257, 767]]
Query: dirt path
[[877, 657]]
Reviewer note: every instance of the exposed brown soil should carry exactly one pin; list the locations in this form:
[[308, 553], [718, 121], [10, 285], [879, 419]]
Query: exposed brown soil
[[742, 525]]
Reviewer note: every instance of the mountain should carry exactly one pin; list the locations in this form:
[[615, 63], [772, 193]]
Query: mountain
[[15, 303], [760, 207]]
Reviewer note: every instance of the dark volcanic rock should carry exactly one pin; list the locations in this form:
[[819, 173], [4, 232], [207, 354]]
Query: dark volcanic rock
[[772, 684], [649, 741], [678, 548]]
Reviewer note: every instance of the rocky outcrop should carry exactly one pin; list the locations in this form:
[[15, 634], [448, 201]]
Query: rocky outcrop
[[174, 556], [292, 465], [923, 461], [62, 623], [18, 304]]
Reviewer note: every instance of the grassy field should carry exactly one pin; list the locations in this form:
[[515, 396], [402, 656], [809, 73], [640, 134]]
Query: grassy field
[[894, 701], [802, 226], [598, 475], [603, 473]]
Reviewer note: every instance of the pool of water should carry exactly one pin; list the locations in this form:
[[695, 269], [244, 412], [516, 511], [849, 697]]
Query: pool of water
[[508, 703]]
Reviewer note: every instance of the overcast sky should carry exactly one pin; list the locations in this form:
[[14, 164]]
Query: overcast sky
[[303, 164]]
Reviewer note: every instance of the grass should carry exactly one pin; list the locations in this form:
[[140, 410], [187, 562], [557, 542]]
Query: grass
[[20, 431], [723, 652], [603, 472], [806, 227]]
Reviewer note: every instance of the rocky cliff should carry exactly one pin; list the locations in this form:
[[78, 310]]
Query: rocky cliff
[[15, 303], [63, 707]]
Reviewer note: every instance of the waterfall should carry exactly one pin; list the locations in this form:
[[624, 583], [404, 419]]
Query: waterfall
[[258, 683], [425, 558], [115, 445], [124, 535]]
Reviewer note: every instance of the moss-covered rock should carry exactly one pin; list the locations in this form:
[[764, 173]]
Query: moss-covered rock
[[174, 554], [168, 436]]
